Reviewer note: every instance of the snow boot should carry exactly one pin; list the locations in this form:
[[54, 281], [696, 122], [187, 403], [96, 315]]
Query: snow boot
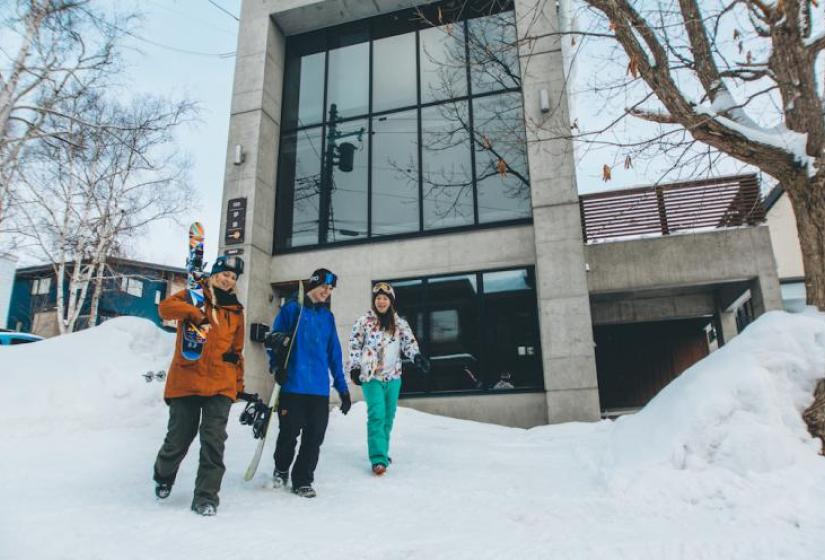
[[305, 491], [378, 469], [205, 509], [162, 490], [279, 479]]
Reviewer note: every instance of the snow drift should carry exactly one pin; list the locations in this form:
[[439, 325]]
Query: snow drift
[[718, 465]]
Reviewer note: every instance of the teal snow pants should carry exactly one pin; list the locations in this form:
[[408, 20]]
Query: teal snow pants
[[382, 400]]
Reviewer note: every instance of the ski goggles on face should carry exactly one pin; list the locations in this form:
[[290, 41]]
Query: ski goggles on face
[[320, 279]]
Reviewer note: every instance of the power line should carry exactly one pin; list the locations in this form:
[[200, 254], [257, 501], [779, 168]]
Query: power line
[[221, 8]]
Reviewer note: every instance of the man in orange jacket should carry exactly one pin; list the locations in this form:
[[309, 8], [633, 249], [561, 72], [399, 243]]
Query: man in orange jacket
[[199, 393]]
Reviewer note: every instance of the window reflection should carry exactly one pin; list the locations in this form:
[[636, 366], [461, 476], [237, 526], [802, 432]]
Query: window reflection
[[348, 210], [299, 180], [501, 158], [348, 81], [446, 166], [491, 43], [453, 336], [432, 161], [443, 66], [478, 336], [304, 90], [395, 173], [393, 73]]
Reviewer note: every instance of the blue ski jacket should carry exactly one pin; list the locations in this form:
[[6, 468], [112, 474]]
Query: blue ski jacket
[[316, 352]]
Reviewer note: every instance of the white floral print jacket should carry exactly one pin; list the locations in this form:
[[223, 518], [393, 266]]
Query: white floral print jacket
[[368, 343]]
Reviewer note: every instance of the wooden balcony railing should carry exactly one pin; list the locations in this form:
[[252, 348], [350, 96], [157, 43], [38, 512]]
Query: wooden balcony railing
[[721, 202]]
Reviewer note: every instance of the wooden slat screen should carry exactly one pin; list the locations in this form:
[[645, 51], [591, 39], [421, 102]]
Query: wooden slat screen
[[720, 202]]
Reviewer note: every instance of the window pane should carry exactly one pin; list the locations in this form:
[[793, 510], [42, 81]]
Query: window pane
[[491, 43], [395, 173], [393, 72], [501, 158], [299, 179], [453, 338], [443, 62], [348, 83], [348, 211], [512, 348], [447, 176], [304, 90]]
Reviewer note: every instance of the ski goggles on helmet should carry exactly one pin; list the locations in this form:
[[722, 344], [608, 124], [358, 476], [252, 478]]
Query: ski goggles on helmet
[[230, 263], [323, 278], [384, 287]]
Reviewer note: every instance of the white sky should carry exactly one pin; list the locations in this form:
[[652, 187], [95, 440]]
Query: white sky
[[199, 27]]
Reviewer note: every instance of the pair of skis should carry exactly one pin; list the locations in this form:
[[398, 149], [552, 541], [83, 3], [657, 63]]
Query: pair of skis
[[272, 406]]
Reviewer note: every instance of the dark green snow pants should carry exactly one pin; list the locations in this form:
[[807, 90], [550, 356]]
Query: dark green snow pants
[[188, 415]]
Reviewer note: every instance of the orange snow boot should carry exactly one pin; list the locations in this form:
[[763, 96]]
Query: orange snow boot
[[379, 469]]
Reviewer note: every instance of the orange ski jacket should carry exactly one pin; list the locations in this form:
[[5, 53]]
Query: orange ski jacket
[[219, 370]]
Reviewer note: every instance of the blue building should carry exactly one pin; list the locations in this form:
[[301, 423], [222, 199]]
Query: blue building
[[130, 288]]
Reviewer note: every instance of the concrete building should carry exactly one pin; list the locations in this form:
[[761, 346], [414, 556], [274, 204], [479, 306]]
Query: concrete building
[[785, 239], [130, 288], [386, 142]]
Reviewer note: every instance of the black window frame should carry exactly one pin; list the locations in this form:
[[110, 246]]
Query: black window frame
[[424, 338], [400, 22]]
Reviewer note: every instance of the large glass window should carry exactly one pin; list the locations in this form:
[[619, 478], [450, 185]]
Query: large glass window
[[446, 172], [393, 72], [395, 173], [402, 125], [479, 330]]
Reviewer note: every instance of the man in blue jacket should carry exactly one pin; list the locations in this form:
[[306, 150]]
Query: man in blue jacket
[[303, 404]]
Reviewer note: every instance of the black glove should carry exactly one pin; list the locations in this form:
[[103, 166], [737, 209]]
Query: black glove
[[355, 375], [422, 364], [280, 374], [346, 402]]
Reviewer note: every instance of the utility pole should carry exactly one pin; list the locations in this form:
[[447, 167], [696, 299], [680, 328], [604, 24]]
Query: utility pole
[[342, 156]]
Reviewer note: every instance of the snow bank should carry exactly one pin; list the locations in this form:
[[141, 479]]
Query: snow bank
[[718, 466], [739, 408], [96, 375]]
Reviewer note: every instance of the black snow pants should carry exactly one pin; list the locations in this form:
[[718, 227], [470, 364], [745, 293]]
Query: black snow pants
[[307, 416], [188, 416]]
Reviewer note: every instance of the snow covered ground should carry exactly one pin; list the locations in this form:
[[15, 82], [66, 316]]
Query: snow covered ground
[[718, 466]]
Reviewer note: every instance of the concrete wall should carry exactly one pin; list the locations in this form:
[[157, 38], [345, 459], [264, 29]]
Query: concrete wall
[[688, 260], [785, 239], [564, 306], [524, 410], [646, 309]]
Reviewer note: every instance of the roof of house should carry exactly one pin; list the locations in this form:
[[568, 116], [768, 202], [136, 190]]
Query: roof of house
[[116, 261]]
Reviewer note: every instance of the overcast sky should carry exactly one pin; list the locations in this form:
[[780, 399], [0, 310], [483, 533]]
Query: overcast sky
[[184, 49]]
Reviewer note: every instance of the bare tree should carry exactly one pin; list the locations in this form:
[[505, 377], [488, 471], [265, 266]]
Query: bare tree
[[52, 51], [80, 200]]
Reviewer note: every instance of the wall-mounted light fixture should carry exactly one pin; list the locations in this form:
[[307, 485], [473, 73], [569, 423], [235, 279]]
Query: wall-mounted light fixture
[[544, 101], [238, 155]]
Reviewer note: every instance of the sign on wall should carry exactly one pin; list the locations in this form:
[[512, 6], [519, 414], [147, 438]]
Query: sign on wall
[[235, 221]]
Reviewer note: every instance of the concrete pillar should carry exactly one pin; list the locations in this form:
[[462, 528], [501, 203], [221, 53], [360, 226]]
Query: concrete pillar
[[727, 323], [564, 305], [254, 125]]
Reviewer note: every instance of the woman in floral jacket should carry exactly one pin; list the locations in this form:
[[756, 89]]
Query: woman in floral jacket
[[376, 344]]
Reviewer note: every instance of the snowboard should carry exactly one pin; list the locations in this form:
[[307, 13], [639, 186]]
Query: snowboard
[[273, 399], [193, 337]]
